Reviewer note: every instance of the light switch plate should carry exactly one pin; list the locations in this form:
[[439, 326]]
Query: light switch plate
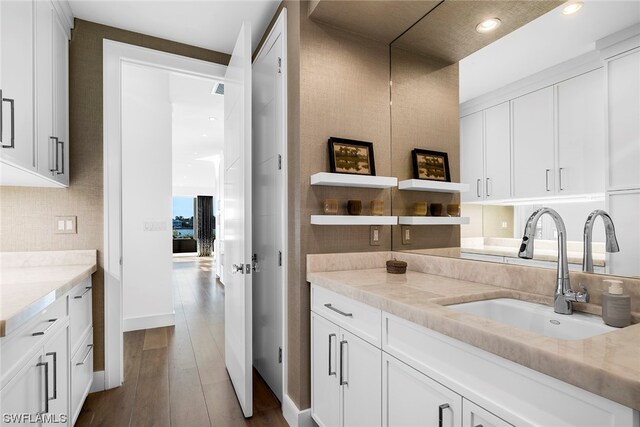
[[405, 231], [374, 235], [66, 225]]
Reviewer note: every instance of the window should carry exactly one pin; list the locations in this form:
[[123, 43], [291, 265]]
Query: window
[[183, 213]]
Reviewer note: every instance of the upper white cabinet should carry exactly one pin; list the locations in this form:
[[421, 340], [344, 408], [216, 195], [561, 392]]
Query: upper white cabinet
[[472, 156], [623, 81], [533, 143], [581, 135], [34, 67]]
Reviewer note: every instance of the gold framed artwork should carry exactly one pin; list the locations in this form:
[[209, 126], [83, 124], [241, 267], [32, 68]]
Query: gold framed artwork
[[430, 165], [351, 156]]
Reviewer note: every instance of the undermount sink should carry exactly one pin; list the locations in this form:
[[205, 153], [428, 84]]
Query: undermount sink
[[536, 318]]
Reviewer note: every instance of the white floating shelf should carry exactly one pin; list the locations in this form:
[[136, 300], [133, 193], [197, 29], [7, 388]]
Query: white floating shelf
[[353, 220], [433, 220], [433, 186], [347, 180]]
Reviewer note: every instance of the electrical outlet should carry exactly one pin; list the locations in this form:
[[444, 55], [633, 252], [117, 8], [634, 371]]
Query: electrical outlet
[[405, 231], [374, 235], [66, 225]]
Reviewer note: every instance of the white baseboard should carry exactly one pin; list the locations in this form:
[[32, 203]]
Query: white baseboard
[[98, 382], [149, 322], [294, 416]]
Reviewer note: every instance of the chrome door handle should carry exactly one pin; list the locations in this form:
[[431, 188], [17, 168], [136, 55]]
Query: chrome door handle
[[330, 307], [330, 336], [55, 153], [441, 408], [478, 187], [46, 386], [86, 356], [52, 321], [547, 171], [60, 172], [560, 178], [488, 182], [342, 380], [13, 122], [87, 289], [55, 375]]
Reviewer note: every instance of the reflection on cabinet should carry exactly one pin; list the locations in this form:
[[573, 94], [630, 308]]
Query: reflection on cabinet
[[34, 66], [624, 207]]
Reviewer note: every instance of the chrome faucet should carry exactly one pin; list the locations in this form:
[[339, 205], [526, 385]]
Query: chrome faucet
[[610, 233], [563, 297]]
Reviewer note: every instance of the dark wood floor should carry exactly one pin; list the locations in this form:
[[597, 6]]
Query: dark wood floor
[[176, 376]]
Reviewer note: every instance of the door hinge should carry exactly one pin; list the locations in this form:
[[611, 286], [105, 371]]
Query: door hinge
[[279, 354], [280, 258], [279, 161], [279, 65]]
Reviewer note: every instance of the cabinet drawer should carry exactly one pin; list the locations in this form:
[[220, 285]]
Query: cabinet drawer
[[21, 343], [81, 375], [356, 317], [474, 416], [80, 313]]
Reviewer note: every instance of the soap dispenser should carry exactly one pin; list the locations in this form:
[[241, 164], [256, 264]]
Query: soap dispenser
[[616, 306]]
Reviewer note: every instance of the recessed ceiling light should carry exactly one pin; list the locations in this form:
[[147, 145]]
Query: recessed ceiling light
[[572, 7], [488, 25], [212, 119], [204, 134]]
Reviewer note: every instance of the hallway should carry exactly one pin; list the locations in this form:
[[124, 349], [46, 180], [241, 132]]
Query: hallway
[[175, 376]]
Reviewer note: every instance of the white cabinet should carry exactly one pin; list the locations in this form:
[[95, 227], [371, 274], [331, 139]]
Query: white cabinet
[[472, 156], [476, 416], [623, 207], [533, 144], [413, 399], [325, 398], [56, 354], [581, 135], [24, 394], [623, 82]]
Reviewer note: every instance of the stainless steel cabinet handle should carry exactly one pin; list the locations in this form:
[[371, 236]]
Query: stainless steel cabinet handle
[[547, 171], [479, 425], [330, 307], [86, 356], [488, 183], [52, 321], [560, 178], [342, 380], [55, 375], [13, 122], [441, 408], [478, 187], [46, 386], [60, 172], [330, 353], [55, 154], [86, 289]]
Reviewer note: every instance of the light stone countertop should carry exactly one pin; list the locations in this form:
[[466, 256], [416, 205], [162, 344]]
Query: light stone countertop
[[30, 283], [607, 365]]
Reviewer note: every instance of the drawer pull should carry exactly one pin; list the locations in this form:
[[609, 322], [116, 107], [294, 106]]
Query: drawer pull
[[330, 352], [441, 408], [87, 289], [55, 375], [330, 307], [13, 122], [46, 386], [342, 380], [479, 425], [52, 321], [86, 356]]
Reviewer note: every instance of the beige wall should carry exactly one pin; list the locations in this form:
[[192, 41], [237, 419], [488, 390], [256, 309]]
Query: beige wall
[[28, 213]]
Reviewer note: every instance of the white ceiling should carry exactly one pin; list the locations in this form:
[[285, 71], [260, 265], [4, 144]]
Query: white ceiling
[[212, 24], [547, 41], [197, 140]]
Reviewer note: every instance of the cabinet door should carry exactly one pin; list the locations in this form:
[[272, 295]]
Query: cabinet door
[[476, 416], [44, 134], [497, 152], [581, 146], [61, 99], [17, 82], [25, 393], [325, 389], [56, 352], [624, 110], [533, 144], [471, 156], [412, 399], [624, 208], [359, 370]]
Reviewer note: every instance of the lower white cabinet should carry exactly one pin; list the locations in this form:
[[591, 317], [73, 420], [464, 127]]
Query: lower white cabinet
[[81, 375], [24, 394], [476, 416]]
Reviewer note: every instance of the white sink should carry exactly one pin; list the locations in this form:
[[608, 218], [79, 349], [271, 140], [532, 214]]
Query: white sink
[[536, 318]]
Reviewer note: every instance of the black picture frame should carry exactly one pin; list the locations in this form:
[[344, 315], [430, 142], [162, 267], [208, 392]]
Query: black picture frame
[[438, 170], [346, 163]]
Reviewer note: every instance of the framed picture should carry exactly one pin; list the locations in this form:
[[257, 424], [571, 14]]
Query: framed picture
[[431, 165], [350, 156]]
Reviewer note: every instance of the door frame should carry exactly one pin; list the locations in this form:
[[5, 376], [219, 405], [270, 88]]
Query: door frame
[[114, 55]]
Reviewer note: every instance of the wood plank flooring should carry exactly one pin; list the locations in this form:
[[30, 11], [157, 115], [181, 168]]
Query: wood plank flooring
[[175, 376]]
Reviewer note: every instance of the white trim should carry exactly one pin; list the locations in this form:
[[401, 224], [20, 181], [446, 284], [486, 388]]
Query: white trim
[[65, 15], [294, 416], [114, 54], [619, 42], [149, 322], [98, 382]]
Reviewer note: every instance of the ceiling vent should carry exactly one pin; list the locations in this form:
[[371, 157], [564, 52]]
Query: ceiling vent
[[218, 89]]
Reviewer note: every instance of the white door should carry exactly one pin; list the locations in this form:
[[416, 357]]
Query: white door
[[44, 133], [25, 393], [533, 144], [581, 142], [237, 221], [471, 156], [325, 388], [413, 399], [359, 373], [497, 154], [56, 352], [61, 98]]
